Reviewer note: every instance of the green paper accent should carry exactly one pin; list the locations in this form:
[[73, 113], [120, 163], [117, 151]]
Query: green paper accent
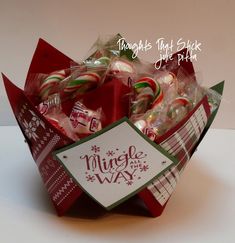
[[219, 88], [125, 119], [127, 53]]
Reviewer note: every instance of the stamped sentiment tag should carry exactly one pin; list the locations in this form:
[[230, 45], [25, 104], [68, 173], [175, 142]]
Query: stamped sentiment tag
[[115, 163]]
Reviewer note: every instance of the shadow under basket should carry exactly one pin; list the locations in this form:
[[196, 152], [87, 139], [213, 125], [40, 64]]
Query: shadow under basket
[[64, 191]]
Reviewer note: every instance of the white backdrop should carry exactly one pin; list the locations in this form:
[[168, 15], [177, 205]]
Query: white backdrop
[[72, 26]]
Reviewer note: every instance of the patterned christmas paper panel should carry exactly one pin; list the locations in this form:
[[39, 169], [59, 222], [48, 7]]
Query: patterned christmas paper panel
[[180, 143], [42, 138], [113, 165]]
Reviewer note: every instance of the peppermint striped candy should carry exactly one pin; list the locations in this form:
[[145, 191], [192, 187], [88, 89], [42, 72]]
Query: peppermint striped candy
[[48, 85], [83, 83], [154, 99]]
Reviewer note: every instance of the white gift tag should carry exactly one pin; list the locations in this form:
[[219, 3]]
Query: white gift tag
[[115, 163]]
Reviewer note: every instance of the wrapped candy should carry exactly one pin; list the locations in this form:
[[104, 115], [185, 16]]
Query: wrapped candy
[[178, 109], [122, 69], [84, 120], [148, 94], [172, 98], [168, 83], [153, 123], [142, 101], [112, 97], [52, 111], [159, 100], [120, 65]]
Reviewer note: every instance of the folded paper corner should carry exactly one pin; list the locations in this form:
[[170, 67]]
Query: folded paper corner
[[47, 59]]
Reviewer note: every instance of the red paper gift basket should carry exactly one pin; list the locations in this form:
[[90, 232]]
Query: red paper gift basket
[[43, 138]]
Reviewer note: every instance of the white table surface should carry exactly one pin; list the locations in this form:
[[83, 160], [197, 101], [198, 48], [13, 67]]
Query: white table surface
[[200, 210]]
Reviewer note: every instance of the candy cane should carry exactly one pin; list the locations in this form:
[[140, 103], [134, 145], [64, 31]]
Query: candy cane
[[118, 66], [158, 98], [143, 98], [83, 82], [48, 85], [142, 102], [167, 79]]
